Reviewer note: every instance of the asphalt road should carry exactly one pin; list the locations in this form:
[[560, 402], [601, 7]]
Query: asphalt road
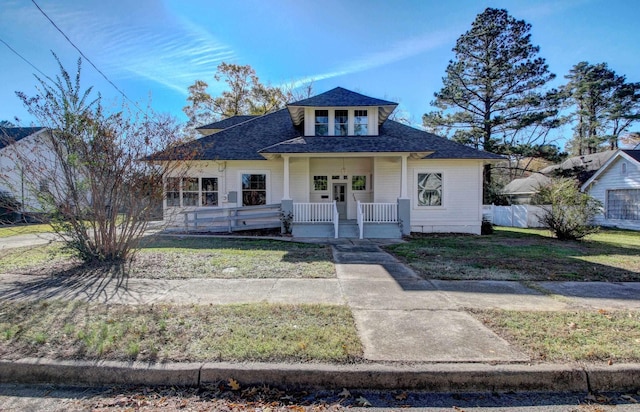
[[60, 398]]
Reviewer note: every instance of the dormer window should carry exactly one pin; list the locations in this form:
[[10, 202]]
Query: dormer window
[[322, 122], [341, 122], [360, 123]]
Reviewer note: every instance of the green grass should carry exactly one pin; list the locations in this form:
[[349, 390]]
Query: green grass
[[36, 257], [14, 230], [189, 333], [570, 336], [524, 254]]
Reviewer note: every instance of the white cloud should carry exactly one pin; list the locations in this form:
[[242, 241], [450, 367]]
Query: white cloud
[[399, 51]]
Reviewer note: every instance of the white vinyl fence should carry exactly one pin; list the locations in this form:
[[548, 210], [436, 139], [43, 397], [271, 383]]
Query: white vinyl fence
[[513, 216]]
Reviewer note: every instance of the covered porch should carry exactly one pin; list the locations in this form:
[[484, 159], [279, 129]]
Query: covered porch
[[346, 195]]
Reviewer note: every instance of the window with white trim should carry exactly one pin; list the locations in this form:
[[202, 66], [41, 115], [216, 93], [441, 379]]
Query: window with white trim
[[341, 122], [322, 122], [623, 204], [254, 189], [172, 191], [360, 123], [190, 191], [209, 190], [429, 186], [320, 183], [358, 182]]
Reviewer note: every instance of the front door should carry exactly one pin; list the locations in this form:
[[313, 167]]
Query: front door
[[340, 196]]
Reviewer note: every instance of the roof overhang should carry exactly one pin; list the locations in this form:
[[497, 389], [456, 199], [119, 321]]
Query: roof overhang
[[410, 155], [297, 112]]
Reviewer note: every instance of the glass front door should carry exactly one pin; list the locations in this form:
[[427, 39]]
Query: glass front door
[[340, 196]]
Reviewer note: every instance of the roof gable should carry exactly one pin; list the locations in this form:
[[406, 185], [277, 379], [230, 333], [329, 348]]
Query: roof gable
[[630, 155], [340, 97]]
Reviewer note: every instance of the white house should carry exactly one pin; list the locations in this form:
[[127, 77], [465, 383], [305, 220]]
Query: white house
[[617, 185], [26, 165], [328, 163]]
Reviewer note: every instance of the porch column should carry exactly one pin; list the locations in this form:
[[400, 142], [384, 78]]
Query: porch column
[[403, 178], [286, 195]]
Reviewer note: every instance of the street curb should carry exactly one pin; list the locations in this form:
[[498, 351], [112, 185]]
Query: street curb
[[445, 377]]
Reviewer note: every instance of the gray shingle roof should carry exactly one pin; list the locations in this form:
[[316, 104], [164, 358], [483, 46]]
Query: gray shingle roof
[[228, 122], [635, 154], [341, 97], [10, 135], [394, 137], [276, 133]]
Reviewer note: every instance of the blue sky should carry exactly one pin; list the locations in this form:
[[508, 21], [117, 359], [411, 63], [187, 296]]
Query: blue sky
[[396, 50]]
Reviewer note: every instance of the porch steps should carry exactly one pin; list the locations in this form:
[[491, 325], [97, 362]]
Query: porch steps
[[348, 229]]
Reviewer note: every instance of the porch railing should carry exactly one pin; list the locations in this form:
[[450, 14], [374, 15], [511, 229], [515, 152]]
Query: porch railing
[[313, 212], [233, 218], [360, 217], [336, 219], [379, 212]]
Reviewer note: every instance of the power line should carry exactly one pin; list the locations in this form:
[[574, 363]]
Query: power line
[[85, 57], [24, 58]]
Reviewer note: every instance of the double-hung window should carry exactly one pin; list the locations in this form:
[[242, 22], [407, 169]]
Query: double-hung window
[[341, 123], [322, 122], [360, 123], [254, 189], [190, 191], [209, 191], [172, 191]]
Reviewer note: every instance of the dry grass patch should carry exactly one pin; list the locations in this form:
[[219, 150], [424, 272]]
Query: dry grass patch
[[190, 333], [176, 258], [523, 254], [569, 336]]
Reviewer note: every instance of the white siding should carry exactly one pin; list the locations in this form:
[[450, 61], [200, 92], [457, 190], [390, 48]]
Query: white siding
[[24, 165], [299, 179], [310, 119], [612, 179], [387, 177], [461, 209], [229, 174]]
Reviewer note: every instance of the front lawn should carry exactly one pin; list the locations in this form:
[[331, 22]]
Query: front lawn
[[184, 258], [588, 336], [14, 230], [523, 254], [181, 333]]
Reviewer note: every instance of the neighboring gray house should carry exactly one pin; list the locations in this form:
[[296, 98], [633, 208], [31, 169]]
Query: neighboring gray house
[[21, 148], [330, 160], [521, 191], [617, 185]]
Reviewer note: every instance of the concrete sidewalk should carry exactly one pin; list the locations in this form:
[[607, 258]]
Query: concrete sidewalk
[[400, 317]]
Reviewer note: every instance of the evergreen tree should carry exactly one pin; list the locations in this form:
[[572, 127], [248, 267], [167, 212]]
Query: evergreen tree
[[492, 90], [604, 107]]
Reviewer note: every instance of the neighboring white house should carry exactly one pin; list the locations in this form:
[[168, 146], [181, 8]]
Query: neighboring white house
[[26, 165], [521, 191], [617, 185], [331, 160]]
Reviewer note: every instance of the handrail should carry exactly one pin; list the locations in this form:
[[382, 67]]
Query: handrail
[[336, 219], [233, 218], [360, 216]]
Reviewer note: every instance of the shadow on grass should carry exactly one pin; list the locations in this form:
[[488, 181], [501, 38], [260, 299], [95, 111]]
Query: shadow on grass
[[294, 251], [91, 283]]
